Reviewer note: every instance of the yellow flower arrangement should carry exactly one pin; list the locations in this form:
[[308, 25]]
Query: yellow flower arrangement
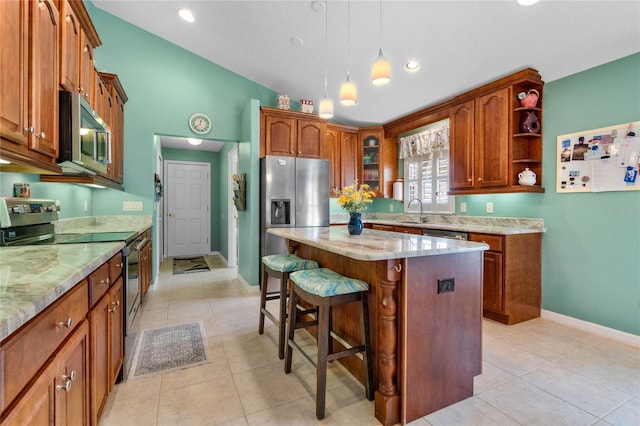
[[353, 198]]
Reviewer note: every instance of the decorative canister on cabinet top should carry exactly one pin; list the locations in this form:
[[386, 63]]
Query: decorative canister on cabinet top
[[306, 105], [527, 177], [284, 102]]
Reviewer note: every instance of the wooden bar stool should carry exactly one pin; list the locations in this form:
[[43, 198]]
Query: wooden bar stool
[[324, 289], [279, 266]]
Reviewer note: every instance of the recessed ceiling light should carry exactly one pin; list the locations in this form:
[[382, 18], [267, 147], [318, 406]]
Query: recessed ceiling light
[[186, 15], [527, 2], [412, 66], [194, 141], [296, 41]]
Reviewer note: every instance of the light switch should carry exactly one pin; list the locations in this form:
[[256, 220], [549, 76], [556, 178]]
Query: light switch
[[132, 206], [463, 207]]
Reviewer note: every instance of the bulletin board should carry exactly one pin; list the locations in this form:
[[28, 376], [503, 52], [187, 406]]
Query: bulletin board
[[598, 160]]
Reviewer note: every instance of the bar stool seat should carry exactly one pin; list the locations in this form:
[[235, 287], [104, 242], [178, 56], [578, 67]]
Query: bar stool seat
[[325, 288], [279, 266]]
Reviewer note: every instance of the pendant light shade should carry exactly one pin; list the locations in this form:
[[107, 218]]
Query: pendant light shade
[[381, 70], [325, 110], [348, 93]]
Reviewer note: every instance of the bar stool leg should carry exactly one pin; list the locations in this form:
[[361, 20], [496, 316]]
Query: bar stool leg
[[284, 280], [368, 356], [323, 352], [291, 320], [263, 300]]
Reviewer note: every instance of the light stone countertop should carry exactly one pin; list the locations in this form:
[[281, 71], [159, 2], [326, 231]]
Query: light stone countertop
[[92, 224], [480, 224], [374, 245], [33, 277]]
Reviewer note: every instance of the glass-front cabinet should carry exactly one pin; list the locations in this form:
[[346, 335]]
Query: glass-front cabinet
[[370, 161]]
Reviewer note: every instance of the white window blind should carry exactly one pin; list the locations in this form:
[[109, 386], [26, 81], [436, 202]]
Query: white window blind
[[426, 169]]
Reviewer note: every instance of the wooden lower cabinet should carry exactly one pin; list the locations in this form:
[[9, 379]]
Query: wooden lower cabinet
[[59, 394], [512, 276], [145, 266]]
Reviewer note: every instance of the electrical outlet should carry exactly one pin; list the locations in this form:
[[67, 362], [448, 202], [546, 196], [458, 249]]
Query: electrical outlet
[[446, 285], [132, 206], [391, 207], [489, 207], [463, 207]]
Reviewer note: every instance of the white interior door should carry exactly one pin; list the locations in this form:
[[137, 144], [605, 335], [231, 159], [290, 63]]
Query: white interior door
[[232, 227], [188, 217]]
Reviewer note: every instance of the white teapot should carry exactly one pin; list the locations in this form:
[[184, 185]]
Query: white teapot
[[527, 177]]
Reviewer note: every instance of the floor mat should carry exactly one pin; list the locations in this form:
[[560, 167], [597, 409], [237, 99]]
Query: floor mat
[[189, 264], [167, 349]]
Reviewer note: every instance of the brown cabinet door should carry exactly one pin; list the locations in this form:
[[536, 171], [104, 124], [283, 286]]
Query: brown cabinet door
[[349, 149], [116, 331], [99, 356], [492, 288], [331, 152], [86, 70], [309, 139], [37, 405], [69, 45], [117, 138], [14, 84], [280, 135], [72, 402], [371, 159], [461, 146], [492, 138], [44, 82]]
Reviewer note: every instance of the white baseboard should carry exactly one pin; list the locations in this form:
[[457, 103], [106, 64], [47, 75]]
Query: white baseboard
[[599, 330]]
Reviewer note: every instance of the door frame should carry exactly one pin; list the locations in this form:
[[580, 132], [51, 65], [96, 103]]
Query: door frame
[[166, 198], [232, 212]]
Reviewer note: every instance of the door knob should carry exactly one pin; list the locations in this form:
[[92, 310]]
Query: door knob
[[170, 214]]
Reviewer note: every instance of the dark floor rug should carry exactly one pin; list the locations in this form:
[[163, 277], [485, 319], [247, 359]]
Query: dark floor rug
[[189, 264], [167, 349]]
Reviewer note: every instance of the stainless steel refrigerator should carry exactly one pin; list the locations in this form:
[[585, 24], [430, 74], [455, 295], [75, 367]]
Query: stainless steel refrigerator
[[294, 193]]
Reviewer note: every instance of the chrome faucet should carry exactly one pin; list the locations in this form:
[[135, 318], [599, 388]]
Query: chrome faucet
[[423, 218]]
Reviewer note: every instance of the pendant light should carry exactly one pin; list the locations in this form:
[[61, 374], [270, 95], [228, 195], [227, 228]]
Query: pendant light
[[348, 90], [381, 68], [325, 109]]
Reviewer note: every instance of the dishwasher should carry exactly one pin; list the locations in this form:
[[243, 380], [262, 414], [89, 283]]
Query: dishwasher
[[456, 235]]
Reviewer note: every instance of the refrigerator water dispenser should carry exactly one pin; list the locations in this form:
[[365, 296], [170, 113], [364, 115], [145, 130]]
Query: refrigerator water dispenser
[[280, 212]]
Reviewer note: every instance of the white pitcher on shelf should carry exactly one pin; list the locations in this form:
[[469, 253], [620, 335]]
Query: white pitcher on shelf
[[527, 177]]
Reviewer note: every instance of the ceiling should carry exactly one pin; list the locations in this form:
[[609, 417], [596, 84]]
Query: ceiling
[[460, 44]]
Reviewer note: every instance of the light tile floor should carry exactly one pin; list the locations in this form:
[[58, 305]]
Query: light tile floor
[[534, 373]]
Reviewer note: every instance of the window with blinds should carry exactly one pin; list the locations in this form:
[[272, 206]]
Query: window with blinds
[[426, 177]]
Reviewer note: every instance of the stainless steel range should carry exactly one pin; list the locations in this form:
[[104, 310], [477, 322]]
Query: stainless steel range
[[27, 221]]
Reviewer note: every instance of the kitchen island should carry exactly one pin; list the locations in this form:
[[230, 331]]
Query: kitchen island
[[426, 312]]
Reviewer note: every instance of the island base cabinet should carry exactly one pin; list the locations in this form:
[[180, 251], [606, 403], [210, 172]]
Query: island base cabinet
[[442, 331], [59, 394]]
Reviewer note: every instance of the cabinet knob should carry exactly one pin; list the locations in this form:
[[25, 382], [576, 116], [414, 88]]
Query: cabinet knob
[[120, 265], [469, 180], [29, 129], [114, 310], [43, 135], [479, 179], [66, 323], [70, 377], [105, 281], [66, 386]]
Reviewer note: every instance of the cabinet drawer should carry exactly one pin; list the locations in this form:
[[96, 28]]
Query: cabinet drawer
[[98, 283], [115, 267], [494, 241], [25, 352], [382, 227]]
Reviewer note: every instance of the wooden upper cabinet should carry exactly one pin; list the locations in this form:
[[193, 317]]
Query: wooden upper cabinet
[[86, 70], [280, 134], [331, 152], [461, 146], [492, 138], [114, 100], [309, 140], [14, 61], [44, 85], [341, 148], [291, 133], [69, 47], [479, 142], [349, 154]]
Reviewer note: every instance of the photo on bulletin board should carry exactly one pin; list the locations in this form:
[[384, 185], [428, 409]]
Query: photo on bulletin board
[[598, 160]]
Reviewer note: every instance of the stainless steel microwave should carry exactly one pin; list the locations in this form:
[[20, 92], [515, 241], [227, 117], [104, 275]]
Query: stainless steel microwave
[[85, 139]]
